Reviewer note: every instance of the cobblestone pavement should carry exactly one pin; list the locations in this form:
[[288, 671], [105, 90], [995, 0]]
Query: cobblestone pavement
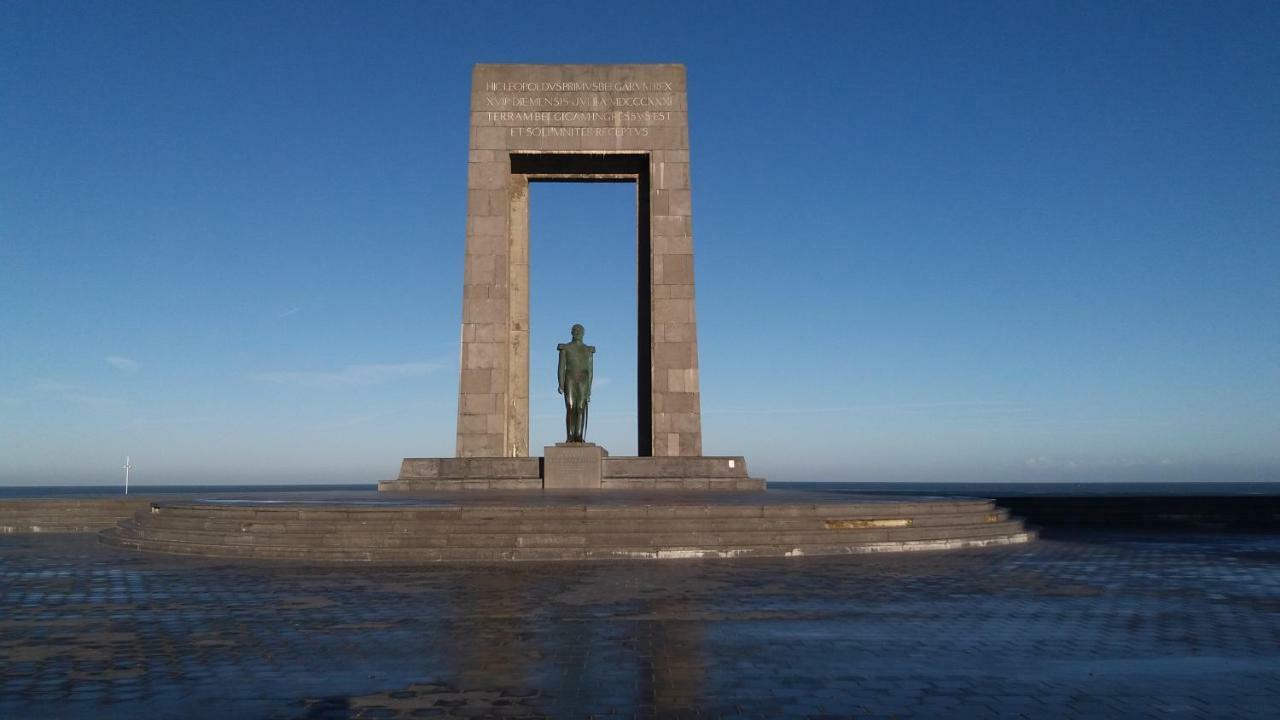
[[1084, 625]]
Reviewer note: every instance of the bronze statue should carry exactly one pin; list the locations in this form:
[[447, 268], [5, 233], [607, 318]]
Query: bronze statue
[[574, 373]]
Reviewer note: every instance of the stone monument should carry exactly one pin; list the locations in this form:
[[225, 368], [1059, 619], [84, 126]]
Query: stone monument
[[591, 123], [597, 123]]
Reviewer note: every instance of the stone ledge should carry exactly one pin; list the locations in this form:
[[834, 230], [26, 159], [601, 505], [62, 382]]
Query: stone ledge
[[728, 472], [458, 484], [728, 466], [744, 484], [69, 515], [566, 526], [471, 468]]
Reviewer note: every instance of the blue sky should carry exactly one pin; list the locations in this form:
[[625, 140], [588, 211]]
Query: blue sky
[[934, 241]]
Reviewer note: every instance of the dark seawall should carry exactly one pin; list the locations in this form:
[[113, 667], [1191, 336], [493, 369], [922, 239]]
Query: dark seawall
[[1197, 506], [1197, 512]]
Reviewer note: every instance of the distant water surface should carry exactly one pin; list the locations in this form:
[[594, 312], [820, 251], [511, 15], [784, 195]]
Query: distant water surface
[[56, 491], [1031, 489], [1212, 489]]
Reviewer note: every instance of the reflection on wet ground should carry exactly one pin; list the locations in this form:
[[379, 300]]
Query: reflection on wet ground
[[1082, 625]]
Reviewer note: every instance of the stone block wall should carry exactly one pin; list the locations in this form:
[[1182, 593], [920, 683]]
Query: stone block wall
[[572, 115]]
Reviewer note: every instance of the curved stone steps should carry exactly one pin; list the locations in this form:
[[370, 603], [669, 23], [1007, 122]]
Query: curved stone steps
[[447, 521], [71, 515], [567, 508], [556, 514], [124, 537], [599, 528], [57, 524], [601, 537], [559, 527]]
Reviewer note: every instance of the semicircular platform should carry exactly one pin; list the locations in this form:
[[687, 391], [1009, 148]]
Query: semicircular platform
[[435, 527]]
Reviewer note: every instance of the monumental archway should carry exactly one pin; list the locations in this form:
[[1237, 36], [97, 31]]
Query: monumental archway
[[603, 123], [578, 122]]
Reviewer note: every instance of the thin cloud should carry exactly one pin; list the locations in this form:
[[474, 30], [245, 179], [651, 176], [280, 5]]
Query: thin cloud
[[1044, 462], [289, 312], [972, 405], [121, 363], [72, 393], [351, 375], [153, 422], [92, 399], [350, 422]]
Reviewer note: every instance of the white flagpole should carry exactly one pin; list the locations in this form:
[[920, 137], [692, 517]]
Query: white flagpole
[[127, 467]]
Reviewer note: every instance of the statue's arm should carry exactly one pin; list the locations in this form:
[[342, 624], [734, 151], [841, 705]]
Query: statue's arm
[[591, 370], [560, 370]]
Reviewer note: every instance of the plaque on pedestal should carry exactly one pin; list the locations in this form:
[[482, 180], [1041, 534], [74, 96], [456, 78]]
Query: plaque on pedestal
[[572, 466]]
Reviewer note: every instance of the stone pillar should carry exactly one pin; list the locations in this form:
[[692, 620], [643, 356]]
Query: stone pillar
[[676, 411], [516, 420], [486, 309]]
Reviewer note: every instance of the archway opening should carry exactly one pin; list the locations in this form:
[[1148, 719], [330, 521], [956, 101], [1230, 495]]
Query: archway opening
[[582, 268]]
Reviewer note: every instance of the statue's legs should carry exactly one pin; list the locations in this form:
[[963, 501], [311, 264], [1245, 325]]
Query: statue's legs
[[574, 413], [568, 417], [576, 434]]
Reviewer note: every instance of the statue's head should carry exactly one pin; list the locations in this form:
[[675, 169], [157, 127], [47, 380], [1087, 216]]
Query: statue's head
[[577, 331]]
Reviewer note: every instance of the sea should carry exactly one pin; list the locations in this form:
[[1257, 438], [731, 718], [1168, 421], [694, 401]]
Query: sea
[[956, 489]]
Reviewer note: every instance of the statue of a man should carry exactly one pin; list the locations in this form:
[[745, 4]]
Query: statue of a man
[[574, 373]]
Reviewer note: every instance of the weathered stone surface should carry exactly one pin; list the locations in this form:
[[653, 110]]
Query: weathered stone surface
[[572, 466], [474, 468], [637, 111], [458, 485], [66, 515], [675, 467], [676, 518], [712, 484], [727, 473]]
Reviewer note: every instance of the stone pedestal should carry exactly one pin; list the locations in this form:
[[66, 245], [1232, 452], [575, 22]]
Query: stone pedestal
[[564, 466], [573, 466]]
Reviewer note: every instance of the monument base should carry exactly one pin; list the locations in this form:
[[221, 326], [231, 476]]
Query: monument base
[[561, 525], [714, 473], [573, 466]]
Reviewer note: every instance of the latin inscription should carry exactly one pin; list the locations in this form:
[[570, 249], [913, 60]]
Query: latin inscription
[[579, 109], [621, 86], [570, 466], [577, 457]]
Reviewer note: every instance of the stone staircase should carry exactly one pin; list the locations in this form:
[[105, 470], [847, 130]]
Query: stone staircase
[[567, 529], [78, 515]]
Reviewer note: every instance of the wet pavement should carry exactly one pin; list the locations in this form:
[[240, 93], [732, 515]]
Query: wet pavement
[[1081, 625]]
